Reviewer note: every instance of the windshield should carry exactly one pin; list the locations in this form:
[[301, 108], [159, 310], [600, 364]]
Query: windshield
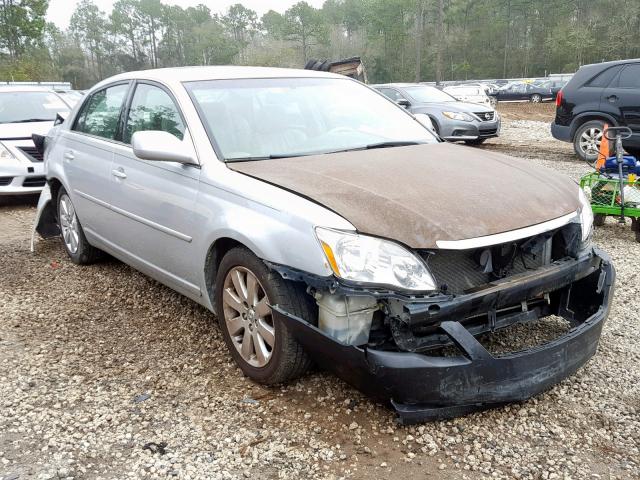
[[285, 117], [17, 107], [424, 94]]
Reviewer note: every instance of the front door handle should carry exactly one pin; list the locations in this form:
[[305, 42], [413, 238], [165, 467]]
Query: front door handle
[[612, 98], [119, 173], [68, 155]]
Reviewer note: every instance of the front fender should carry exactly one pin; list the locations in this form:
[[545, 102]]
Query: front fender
[[45, 223]]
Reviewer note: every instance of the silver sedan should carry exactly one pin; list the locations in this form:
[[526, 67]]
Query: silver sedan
[[321, 221]]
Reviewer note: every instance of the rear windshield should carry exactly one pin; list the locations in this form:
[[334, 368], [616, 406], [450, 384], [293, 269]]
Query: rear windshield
[[23, 107]]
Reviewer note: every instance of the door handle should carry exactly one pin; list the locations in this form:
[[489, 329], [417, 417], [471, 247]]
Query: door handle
[[119, 173], [612, 98], [68, 155]]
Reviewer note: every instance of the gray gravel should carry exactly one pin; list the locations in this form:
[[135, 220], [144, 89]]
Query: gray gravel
[[104, 373]]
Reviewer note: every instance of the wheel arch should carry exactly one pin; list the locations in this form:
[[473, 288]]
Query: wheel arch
[[216, 251], [587, 117]]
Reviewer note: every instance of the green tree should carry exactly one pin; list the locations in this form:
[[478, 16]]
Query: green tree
[[22, 25]]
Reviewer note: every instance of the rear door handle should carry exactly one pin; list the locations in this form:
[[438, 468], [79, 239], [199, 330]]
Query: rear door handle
[[119, 173], [68, 155]]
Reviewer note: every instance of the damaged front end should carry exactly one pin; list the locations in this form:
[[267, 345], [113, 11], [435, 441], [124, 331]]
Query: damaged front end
[[424, 355]]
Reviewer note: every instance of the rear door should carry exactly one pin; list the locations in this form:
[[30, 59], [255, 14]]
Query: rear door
[[623, 95], [156, 200], [87, 153]]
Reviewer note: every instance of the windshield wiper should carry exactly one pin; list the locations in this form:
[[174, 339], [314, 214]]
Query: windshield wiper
[[29, 120], [387, 144], [398, 143], [264, 157]]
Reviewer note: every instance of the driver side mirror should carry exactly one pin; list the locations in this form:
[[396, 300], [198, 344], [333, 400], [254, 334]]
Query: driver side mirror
[[160, 146], [403, 102]]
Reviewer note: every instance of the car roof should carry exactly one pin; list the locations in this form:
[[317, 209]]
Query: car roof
[[400, 85], [24, 88], [613, 62], [191, 74]]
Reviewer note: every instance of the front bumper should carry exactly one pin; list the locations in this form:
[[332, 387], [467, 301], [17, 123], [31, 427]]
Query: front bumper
[[423, 387], [457, 130], [21, 175]]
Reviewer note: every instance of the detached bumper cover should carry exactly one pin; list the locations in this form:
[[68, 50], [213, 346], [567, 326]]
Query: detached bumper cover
[[422, 387]]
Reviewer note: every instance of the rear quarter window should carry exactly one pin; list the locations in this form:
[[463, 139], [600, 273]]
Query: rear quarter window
[[603, 79]]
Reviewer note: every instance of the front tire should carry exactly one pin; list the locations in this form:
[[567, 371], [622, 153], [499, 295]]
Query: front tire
[[261, 344], [586, 140], [75, 243], [535, 98]]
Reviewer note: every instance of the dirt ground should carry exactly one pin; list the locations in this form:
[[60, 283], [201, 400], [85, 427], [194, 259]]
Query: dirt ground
[[106, 374]]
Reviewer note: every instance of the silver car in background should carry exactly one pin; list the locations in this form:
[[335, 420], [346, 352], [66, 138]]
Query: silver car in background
[[321, 221], [455, 121], [25, 110]]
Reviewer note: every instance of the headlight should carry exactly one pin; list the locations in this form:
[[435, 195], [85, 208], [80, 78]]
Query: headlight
[[5, 154], [458, 116], [586, 215], [361, 258]]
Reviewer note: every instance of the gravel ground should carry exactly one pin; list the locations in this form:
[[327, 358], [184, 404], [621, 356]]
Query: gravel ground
[[105, 373]]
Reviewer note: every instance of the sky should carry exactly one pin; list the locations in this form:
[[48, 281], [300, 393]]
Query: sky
[[60, 11]]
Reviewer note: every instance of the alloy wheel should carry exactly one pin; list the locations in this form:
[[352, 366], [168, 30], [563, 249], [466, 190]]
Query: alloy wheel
[[69, 224], [536, 98], [248, 317], [590, 141]]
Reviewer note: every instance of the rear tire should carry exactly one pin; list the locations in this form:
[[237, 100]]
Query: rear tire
[[599, 219], [535, 98], [587, 138], [75, 243], [275, 356]]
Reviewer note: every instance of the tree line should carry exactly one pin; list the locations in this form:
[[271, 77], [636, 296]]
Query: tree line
[[399, 40]]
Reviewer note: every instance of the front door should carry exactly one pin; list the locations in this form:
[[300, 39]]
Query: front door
[[155, 199]]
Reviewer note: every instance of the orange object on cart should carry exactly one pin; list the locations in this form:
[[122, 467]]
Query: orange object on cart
[[604, 149]]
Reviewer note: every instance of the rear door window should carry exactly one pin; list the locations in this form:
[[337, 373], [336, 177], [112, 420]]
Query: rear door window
[[630, 77], [101, 112]]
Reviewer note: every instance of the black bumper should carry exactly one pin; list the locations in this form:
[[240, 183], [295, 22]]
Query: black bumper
[[422, 387], [561, 132]]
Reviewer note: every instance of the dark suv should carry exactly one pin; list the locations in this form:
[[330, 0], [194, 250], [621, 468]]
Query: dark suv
[[603, 92]]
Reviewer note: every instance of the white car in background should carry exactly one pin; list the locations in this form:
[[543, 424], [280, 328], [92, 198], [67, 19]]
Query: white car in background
[[469, 94], [25, 110]]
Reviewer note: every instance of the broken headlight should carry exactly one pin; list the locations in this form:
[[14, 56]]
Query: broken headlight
[[364, 259], [586, 216]]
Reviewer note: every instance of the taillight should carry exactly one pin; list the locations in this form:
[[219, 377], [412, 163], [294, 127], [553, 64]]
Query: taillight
[[559, 98]]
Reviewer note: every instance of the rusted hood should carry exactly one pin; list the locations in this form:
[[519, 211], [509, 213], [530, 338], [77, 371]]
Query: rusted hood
[[424, 193]]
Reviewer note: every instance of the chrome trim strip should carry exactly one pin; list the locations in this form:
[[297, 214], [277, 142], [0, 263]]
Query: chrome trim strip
[[137, 218], [509, 236], [92, 199], [153, 225]]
